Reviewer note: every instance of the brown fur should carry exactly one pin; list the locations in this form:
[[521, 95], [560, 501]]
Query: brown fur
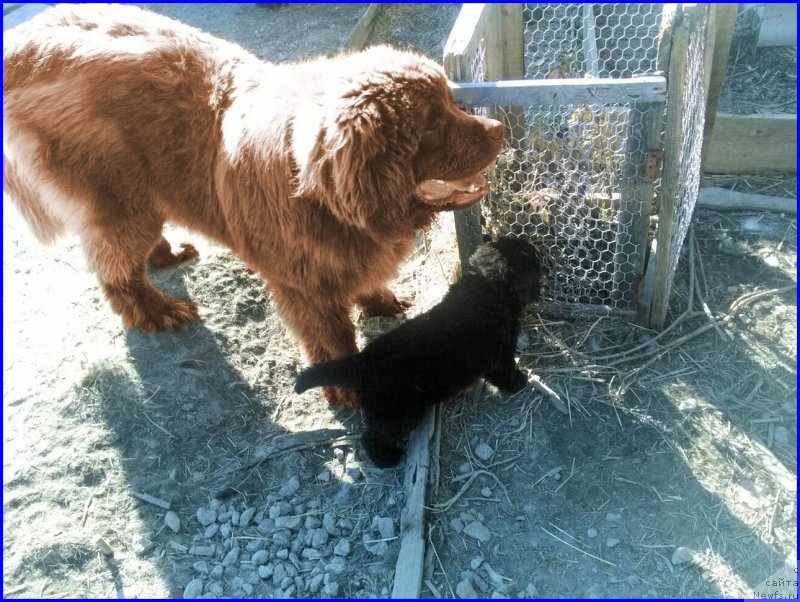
[[116, 120]]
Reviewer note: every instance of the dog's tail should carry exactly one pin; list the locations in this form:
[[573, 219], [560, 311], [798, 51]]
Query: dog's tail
[[341, 372]]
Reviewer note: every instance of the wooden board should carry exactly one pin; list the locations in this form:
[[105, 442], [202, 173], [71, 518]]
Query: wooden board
[[778, 25], [363, 29], [722, 199], [408, 570], [542, 92], [751, 144]]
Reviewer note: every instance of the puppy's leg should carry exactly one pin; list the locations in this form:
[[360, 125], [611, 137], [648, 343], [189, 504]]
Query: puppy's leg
[[506, 376], [382, 302], [118, 250], [162, 257], [325, 331]]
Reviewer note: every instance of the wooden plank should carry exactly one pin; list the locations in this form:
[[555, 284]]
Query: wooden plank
[[408, 570], [724, 18], [363, 30], [722, 199], [778, 25], [542, 92], [463, 41], [673, 141], [750, 144], [512, 28]]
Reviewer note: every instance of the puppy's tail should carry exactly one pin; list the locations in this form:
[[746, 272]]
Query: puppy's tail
[[342, 372]]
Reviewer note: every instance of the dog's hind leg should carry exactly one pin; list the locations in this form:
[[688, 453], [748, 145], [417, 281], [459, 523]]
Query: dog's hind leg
[[162, 257], [118, 249]]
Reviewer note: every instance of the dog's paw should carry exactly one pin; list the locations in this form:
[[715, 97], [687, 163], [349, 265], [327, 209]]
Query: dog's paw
[[172, 315]]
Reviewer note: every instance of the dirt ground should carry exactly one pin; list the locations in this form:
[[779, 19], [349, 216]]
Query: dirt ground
[[674, 473]]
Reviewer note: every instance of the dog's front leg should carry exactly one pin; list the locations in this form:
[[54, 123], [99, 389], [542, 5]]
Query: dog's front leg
[[506, 376]]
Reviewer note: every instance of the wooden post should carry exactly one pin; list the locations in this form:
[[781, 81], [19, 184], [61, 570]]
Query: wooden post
[[670, 185], [687, 27], [722, 20]]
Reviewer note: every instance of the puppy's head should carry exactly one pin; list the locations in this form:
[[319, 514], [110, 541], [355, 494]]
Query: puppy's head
[[385, 133], [513, 260]]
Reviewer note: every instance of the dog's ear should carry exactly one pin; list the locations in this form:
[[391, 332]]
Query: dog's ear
[[362, 163]]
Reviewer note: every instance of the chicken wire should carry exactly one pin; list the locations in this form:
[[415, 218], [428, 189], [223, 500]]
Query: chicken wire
[[571, 176]]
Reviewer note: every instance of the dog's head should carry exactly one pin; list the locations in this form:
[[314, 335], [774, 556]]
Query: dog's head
[[387, 133], [513, 260]]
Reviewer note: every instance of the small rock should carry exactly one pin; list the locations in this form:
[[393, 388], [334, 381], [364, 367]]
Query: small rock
[[247, 589], [681, 555], [486, 492], [523, 341], [384, 525], [266, 526], [311, 553], [781, 435], [279, 574], [612, 542], [337, 566], [530, 510], [531, 591], [465, 467], [206, 516], [215, 504], [457, 524], [255, 545], [288, 522], [324, 477], [378, 548], [290, 488], [613, 517], [224, 517], [465, 590], [475, 562], [260, 557], [225, 530], [193, 589], [319, 539], [483, 451], [141, 545], [279, 509], [346, 524], [687, 405], [281, 537], [201, 566], [480, 583], [342, 548], [632, 580], [172, 521], [231, 557], [217, 572], [312, 522], [591, 532], [343, 494], [498, 596], [215, 588], [478, 530], [331, 589], [315, 584], [246, 517], [265, 571], [287, 581], [235, 517], [282, 554], [211, 530], [201, 550]]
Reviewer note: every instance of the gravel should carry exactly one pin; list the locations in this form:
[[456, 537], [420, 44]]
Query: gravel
[[172, 521], [193, 589], [478, 530], [483, 451], [206, 516]]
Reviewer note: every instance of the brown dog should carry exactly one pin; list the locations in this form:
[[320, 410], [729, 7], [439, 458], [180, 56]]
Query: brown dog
[[316, 173]]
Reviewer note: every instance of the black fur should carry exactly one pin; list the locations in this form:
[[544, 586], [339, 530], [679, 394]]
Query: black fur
[[471, 333]]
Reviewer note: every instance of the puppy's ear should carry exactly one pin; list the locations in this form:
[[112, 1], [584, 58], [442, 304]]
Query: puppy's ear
[[361, 164]]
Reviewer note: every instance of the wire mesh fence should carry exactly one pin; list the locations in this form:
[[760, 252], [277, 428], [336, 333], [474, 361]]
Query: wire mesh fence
[[574, 177]]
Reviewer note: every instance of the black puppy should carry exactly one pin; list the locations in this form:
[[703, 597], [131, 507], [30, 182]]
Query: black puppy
[[471, 333]]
